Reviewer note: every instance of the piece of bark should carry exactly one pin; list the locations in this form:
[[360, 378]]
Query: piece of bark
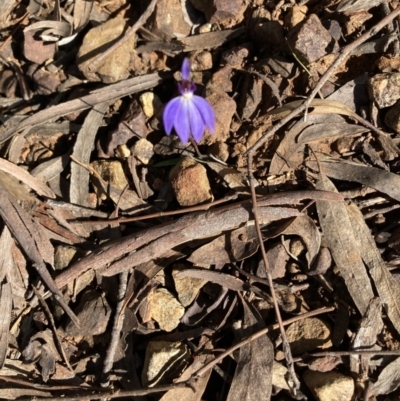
[[225, 218], [132, 122], [84, 144], [253, 374]]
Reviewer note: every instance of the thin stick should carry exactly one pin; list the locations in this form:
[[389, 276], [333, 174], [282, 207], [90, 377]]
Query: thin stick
[[285, 342], [49, 316], [116, 330], [164, 214], [130, 32], [84, 396], [351, 353], [260, 333]]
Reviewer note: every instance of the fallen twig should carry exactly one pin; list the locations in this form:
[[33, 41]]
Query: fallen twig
[[151, 243], [260, 333]]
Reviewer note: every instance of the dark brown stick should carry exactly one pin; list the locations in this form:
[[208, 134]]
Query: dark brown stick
[[224, 218], [260, 333]]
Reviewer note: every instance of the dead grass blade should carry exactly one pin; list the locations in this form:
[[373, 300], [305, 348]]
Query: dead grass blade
[[253, 374], [338, 233], [386, 285]]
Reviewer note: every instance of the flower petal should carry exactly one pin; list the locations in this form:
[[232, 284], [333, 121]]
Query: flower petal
[[206, 111], [181, 123], [185, 70], [169, 114], [196, 121]]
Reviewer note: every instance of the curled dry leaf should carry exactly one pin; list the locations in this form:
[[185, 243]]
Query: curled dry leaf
[[381, 180], [387, 286], [338, 232], [253, 374], [84, 145], [389, 379], [163, 360], [304, 227], [195, 392], [19, 173], [41, 349], [316, 132]]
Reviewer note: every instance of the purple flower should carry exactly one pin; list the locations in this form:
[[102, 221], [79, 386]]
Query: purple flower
[[188, 114]]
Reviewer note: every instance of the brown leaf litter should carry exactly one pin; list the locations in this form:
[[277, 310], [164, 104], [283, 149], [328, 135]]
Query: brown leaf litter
[[259, 264]]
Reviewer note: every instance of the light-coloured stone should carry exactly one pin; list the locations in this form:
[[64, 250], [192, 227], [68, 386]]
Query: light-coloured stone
[[279, 374], [168, 20], [163, 359], [296, 15], [308, 334], [110, 171], [122, 151], [115, 67], [165, 309], [190, 183], [143, 150], [151, 104], [329, 386], [63, 256], [220, 150], [186, 287], [201, 61], [384, 89]]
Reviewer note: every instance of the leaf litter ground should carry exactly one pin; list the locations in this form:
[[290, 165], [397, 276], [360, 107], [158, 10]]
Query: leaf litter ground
[[131, 264]]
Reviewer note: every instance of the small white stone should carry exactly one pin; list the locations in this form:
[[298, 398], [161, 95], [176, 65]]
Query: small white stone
[[150, 103]]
